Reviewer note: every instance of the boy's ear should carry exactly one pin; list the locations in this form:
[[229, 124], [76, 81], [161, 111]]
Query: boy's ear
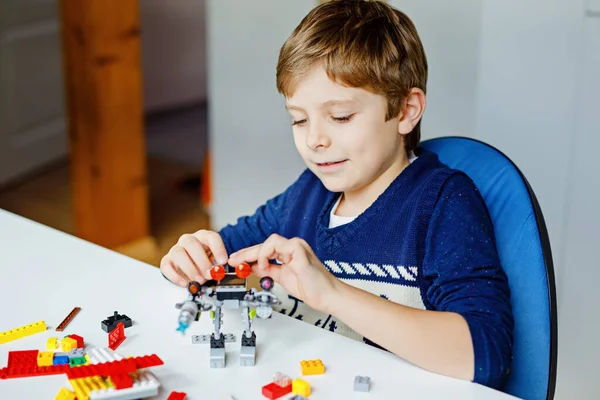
[[411, 111]]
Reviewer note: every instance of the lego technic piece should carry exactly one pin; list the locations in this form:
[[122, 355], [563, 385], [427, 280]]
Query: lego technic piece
[[230, 292], [243, 270], [61, 327], [52, 343], [65, 394], [177, 396], [282, 379], [144, 385], [45, 359], [273, 391], [205, 339], [77, 357], [23, 364], [79, 340], [22, 331], [301, 387], [248, 350], [362, 383], [111, 322], [217, 352], [298, 397], [312, 367], [217, 272], [60, 358], [116, 336], [67, 344]]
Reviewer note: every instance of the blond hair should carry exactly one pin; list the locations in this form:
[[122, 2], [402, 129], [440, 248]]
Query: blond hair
[[363, 44]]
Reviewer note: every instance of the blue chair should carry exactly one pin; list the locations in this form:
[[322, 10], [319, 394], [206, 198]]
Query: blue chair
[[524, 248]]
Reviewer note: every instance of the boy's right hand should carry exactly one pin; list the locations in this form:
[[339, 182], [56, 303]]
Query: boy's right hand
[[193, 256]]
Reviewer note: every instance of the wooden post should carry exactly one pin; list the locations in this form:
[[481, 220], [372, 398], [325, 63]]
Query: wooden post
[[103, 78]]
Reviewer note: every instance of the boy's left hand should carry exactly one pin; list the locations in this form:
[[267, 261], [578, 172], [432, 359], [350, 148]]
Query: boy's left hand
[[302, 274]]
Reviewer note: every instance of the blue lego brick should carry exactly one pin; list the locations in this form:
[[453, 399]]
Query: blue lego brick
[[60, 359]]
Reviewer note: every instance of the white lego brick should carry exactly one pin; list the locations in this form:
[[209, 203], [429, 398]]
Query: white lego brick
[[102, 355]]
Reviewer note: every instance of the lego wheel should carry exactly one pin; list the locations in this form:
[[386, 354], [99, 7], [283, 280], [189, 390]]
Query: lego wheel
[[266, 283], [194, 288]]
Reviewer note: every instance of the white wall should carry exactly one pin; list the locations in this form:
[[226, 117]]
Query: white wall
[[530, 55], [254, 157], [579, 350], [452, 49], [173, 52]]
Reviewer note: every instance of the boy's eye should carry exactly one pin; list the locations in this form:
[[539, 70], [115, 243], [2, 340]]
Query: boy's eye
[[299, 122], [343, 119]]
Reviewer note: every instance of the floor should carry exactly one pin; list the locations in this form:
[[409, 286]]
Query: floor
[[176, 144]]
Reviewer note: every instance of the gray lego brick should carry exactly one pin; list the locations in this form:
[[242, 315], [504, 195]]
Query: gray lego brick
[[247, 356], [231, 304], [217, 358], [362, 383], [205, 339], [76, 353]]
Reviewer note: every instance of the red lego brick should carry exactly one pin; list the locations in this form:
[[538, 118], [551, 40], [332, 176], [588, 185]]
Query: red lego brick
[[79, 340], [22, 364], [177, 396], [116, 336], [273, 391], [125, 366], [122, 381]]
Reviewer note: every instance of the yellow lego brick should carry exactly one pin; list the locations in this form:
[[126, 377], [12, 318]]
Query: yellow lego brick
[[22, 331], [83, 386], [312, 367], [301, 387], [67, 344], [87, 360], [44, 358], [52, 343], [65, 394]]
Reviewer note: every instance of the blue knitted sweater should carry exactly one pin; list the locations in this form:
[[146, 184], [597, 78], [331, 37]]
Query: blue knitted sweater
[[426, 242]]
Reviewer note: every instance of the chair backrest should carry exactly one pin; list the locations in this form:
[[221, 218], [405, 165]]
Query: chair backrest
[[524, 248]]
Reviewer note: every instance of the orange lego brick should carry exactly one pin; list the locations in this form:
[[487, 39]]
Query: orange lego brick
[[312, 367], [68, 319]]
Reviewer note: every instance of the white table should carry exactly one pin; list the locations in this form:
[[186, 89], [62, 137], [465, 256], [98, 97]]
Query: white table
[[45, 273]]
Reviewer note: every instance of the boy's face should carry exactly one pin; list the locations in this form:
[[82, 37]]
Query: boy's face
[[342, 135]]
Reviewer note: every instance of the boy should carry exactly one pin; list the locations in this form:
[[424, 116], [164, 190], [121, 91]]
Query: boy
[[376, 240]]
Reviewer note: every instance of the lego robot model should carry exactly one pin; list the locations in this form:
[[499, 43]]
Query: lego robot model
[[230, 292]]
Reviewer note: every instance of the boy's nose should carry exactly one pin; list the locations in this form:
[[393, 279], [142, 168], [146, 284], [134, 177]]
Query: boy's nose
[[317, 138]]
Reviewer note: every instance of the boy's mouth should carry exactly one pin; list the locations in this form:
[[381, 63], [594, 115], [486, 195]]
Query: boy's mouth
[[330, 165]]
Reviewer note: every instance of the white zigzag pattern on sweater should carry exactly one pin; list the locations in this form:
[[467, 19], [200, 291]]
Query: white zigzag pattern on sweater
[[385, 271]]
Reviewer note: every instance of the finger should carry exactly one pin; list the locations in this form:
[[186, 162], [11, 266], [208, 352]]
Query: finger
[[271, 270], [198, 254], [171, 273], [182, 260], [215, 243], [275, 247], [249, 255]]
